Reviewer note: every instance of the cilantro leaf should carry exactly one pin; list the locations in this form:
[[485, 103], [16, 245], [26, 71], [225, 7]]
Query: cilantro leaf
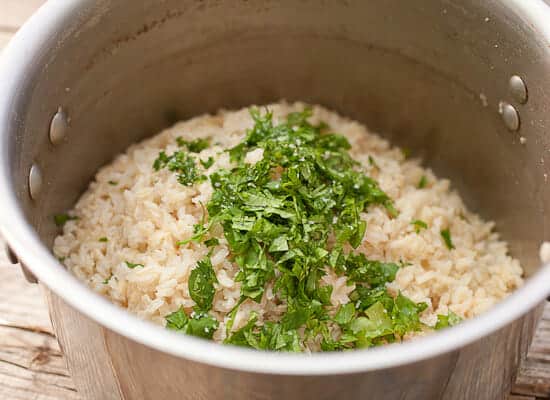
[[446, 235], [194, 146], [103, 239], [208, 163], [419, 225], [345, 314], [244, 336], [61, 219], [406, 315], [374, 325], [201, 284], [132, 265], [446, 321], [199, 324], [422, 182], [375, 273], [323, 294], [212, 242]]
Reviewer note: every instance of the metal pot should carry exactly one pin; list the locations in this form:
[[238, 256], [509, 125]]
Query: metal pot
[[430, 75]]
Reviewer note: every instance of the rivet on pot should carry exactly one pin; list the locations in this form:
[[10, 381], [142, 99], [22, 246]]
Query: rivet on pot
[[510, 115], [35, 181], [58, 126], [518, 89]]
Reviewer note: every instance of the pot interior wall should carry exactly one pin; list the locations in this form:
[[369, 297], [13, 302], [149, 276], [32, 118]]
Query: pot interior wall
[[428, 75]]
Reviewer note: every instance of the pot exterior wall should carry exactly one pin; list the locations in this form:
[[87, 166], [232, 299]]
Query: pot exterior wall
[[107, 366]]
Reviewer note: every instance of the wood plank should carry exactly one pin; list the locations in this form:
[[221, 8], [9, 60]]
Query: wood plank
[[4, 38], [13, 13], [89, 359], [31, 363], [21, 305], [534, 373]]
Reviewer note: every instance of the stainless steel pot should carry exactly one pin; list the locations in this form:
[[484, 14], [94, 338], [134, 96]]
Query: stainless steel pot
[[429, 74]]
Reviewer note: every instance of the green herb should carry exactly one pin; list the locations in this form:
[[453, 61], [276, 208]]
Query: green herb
[[208, 163], [372, 162], [199, 324], [212, 242], [113, 183], [446, 321], [345, 314], [194, 146], [286, 219], [132, 265], [422, 182], [103, 239], [183, 164], [106, 281], [271, 336], [419, 225], [360, 269], [446, 235], [61, 219], [406, 152], [61, 259], [201, 284]]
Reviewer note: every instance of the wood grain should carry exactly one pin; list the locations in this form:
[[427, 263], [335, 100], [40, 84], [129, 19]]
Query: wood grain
[[13, 13], [95, 380], [31, 363], [4, 38], [534, 374]]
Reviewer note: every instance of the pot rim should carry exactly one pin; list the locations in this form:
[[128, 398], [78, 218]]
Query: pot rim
[[15, 64]]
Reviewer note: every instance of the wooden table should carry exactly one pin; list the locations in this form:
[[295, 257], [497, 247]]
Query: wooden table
[[32, 365]]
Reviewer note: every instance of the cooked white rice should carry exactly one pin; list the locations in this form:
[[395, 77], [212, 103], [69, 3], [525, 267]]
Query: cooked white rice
[[146, 213]]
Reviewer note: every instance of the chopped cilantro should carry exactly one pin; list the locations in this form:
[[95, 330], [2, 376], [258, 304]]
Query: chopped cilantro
[[345, 314], [106, 281], [132, 265], [286, 219], [208, 163], [201, 284], [61, 259], [199, 324], [183, 164], [446, 321], [446, 235], [103, 239], [212, 242], [323, 294], [419, 225], [194, 146], [61, 219], [422, 182], [113, 183], [271, 336], [359, 269]]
